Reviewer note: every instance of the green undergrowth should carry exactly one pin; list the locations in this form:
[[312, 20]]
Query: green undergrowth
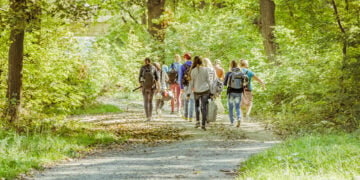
[[97, 109], [21, 152], [334, 156]]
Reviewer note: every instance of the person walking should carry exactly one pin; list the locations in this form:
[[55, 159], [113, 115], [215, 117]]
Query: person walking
[[219, 70], [175, 81], [163, 87], [200, 85], [247, 97], [234, 80], [149, 80], [184, 85]]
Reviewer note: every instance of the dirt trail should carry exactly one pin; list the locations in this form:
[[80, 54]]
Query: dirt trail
[[212, 154]]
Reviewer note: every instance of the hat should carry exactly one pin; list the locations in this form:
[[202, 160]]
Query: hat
[[187, 56]]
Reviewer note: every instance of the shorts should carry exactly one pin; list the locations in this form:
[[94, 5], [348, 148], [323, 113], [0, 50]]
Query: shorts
[[246, 98]]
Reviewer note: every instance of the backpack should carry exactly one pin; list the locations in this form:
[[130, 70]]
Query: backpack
[[173, 75], [216, 87], [148, 77], [237, 80], [187, 77], [246, 83]]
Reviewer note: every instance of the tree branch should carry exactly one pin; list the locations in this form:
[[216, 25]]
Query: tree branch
[[338, 17]]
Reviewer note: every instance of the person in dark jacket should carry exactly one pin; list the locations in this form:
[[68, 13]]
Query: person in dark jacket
[[148, 73], [234, 95]]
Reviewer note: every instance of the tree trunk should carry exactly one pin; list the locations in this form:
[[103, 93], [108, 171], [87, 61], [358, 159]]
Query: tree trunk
[[267, 19], [15, 58], [155, 10]]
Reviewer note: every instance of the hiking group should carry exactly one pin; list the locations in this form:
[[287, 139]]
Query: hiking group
[[196, 84]]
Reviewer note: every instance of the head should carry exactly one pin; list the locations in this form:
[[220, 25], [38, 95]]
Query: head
[[244, 63], [165, 68], [217, 62], [147, 61], [207, 63], [233, 64], [157, 65], [177, 58], [187, 56], [197, 62]]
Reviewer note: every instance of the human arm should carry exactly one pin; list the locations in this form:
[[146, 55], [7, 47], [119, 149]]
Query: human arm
[[226, 79], [140, 75], [260, 81]]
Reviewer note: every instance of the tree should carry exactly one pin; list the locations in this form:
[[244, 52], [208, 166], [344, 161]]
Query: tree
[[267, 23], [15, 58], [155, 10]]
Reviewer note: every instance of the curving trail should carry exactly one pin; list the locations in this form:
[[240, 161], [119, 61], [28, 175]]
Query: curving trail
[[212, 154]]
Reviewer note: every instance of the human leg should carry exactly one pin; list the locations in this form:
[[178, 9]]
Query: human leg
[[237, 101], [191, 106], [204, 105], [231, 108], [173, 89], [177, 96], [197, 109]]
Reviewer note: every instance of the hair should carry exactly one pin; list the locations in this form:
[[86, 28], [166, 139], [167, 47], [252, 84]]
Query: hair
[[187, 56], [233, 64], [217, 61], [147, 60], [165, 68], [197, 61], [157, 65], [244, 63], [207, 63], [177, 58]]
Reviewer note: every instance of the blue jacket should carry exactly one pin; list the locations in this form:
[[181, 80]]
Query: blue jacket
[[182, 72]]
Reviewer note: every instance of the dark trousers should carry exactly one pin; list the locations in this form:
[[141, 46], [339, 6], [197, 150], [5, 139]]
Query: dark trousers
[[148, 97], [202, 98]]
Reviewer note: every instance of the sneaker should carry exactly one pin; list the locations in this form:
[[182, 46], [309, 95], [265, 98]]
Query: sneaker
[[238, 124], [197, 125], [203, 128], [185, 118]]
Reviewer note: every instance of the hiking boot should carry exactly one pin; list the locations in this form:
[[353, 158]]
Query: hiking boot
[[203, 128], [238, 124], [197, 125]]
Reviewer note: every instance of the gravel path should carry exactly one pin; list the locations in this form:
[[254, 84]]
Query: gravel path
[[205, 155]]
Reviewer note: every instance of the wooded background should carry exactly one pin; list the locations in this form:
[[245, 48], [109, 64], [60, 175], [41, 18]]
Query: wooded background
[[54, 58]]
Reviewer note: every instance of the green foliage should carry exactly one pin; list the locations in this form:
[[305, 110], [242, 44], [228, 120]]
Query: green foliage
[[333, 156], [97, 109], [20, 152]]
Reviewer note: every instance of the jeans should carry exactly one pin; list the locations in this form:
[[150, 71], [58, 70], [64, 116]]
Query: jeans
[[148, 97], [204, 99], [234, 99], [175, 88], [188, 105]]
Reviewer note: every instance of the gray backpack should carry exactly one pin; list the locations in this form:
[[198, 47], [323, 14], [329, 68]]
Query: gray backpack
[[238, 80]]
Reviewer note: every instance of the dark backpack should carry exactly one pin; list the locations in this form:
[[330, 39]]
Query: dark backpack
[[237, 80], [186, 77], [148, 77], [173, 75], [246, 83]]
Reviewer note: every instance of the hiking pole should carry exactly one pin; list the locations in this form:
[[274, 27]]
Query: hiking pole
[[137, 88]]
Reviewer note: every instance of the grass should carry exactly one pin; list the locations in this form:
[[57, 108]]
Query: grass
[[335, 156], [22, 152], [97, 109]]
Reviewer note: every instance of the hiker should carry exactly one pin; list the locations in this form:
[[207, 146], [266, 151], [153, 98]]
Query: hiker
[[247, 98], [149, 80], [184, 85], [234, 80], [211, 70], [174, 81], [219, 70], [200, 85], [163, 87]]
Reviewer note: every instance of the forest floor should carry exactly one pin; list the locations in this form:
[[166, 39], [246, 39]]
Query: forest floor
[[213, 154]]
